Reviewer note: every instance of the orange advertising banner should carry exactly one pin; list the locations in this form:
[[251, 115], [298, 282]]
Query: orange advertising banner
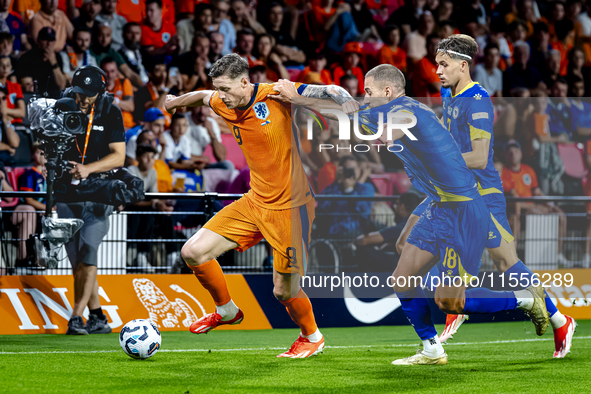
[[572, 290], [43, 304]]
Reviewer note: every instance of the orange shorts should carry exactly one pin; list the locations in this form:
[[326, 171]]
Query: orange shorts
[[286, 230]]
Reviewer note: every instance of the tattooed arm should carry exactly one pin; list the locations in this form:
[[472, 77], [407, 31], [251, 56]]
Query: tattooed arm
[[315, 96]]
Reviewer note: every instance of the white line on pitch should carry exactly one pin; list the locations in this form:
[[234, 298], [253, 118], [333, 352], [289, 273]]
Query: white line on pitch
[[576, 338]]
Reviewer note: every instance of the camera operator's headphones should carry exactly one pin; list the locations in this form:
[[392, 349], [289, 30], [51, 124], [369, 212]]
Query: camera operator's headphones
[[101, 75]]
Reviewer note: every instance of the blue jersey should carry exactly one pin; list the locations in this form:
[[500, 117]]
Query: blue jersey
[[433, 162], [468, 116]]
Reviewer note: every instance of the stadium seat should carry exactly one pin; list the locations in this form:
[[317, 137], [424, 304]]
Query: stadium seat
[[22, 157], [401, 182], [574, 162], [12, 175], [234, 153], [383, 183]]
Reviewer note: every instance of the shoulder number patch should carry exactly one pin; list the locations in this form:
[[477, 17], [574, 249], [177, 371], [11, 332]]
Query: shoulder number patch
[[480, 115]]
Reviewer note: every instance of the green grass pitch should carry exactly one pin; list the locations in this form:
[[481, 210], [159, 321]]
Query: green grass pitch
[[486, 357]]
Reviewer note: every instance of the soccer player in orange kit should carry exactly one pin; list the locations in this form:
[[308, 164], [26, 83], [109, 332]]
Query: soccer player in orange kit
[[279, 207]]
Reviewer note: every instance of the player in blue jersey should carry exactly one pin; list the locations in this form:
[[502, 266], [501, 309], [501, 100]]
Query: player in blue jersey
[[455, 226], [468, 116]]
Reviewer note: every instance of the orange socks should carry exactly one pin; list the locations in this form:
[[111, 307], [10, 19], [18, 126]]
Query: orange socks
[[210, 275], [300, 311]]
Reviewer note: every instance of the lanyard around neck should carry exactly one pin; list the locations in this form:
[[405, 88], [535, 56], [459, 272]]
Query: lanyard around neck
[[87, 135]]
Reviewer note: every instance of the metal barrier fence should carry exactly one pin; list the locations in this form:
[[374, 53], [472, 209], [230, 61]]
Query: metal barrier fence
[[150, 242]]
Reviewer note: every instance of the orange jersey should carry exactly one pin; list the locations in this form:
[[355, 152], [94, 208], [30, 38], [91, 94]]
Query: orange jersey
[[263, 131]]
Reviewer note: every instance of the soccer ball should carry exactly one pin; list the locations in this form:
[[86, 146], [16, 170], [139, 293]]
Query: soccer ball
[[140, 338]]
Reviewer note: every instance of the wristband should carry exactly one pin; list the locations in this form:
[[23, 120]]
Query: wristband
[[165, 89], [54, 66]]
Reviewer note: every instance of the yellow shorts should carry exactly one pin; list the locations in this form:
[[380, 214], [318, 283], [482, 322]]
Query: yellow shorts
[[286, 230]]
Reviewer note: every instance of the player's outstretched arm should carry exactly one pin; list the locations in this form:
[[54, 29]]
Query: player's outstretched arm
[[192, 99], [315, 96]]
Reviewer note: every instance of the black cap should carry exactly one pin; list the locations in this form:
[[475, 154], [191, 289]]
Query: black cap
[[66, 104], [47, 34], [88, 81]]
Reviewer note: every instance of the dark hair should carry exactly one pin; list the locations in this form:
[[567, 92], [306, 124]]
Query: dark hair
[[409, 200], [6, 36], [258, 38], [107, 60], [560, 80], [142, 134], [385, 73], [345, 159], [490, 47], [130, 24], [513, 25], [347, 77], [4, 90], [563, 28], [176, 117], [540, 26], [448, 22], [158, 2], [386, 31], [231, 65], [82, 29], [459, 43], [244, 32], [144, 148], [198, 35], [199, 8], [572, 79]]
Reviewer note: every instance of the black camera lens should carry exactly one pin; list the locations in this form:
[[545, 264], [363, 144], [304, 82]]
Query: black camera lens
[[74, 123]]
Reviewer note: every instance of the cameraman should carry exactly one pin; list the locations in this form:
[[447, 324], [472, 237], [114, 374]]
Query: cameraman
[[100, 149]]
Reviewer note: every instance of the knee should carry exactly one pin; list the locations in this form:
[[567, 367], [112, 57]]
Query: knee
[[281, 293], [284, 290], [454, 306], [193, 253]]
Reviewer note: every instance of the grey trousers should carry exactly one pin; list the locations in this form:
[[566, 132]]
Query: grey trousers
[[83, 247]]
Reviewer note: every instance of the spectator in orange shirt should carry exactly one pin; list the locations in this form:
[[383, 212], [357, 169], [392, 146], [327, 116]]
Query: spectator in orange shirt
[[15, 103], [391, 53], [565, 35], [121, 89], [158, 34], [132, 10], [50, 16], [426, 82], [351, 57], [331, 26], [317, 64], [27, 9], [520, 180]]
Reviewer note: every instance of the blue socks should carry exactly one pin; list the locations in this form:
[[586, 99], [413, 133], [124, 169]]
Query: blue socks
[[519, 268], [416, 308], [481, 300]]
